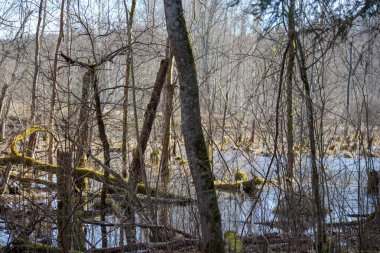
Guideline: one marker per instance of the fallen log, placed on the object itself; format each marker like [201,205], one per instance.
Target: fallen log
[272,239]
[115,180]
[167,246]
[146,226]
[167,200]
[248,186]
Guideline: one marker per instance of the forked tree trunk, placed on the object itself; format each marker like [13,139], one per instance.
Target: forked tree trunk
[210,219]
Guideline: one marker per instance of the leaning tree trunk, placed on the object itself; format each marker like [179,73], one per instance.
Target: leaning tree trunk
[212,240]
[136,171]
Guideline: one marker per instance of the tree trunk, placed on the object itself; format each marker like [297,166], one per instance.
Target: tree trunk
[54,83]
[317,200]
[3,94]
[348,92]
[83,121]
[127,85]
[82,146]
[136,171]
[224,120]
[165,154]
[65,208]
[293,220]
[5,104]
[212,240]
[289,92]
[33,108]
[91,75]
[5,181]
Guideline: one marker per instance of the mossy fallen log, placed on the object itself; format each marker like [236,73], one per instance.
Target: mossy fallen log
[115,181]
[248,186]
[228,186]
[240,175]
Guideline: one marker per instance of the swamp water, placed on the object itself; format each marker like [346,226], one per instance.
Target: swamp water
[344,190]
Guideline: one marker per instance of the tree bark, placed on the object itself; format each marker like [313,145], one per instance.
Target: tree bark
[212,240]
